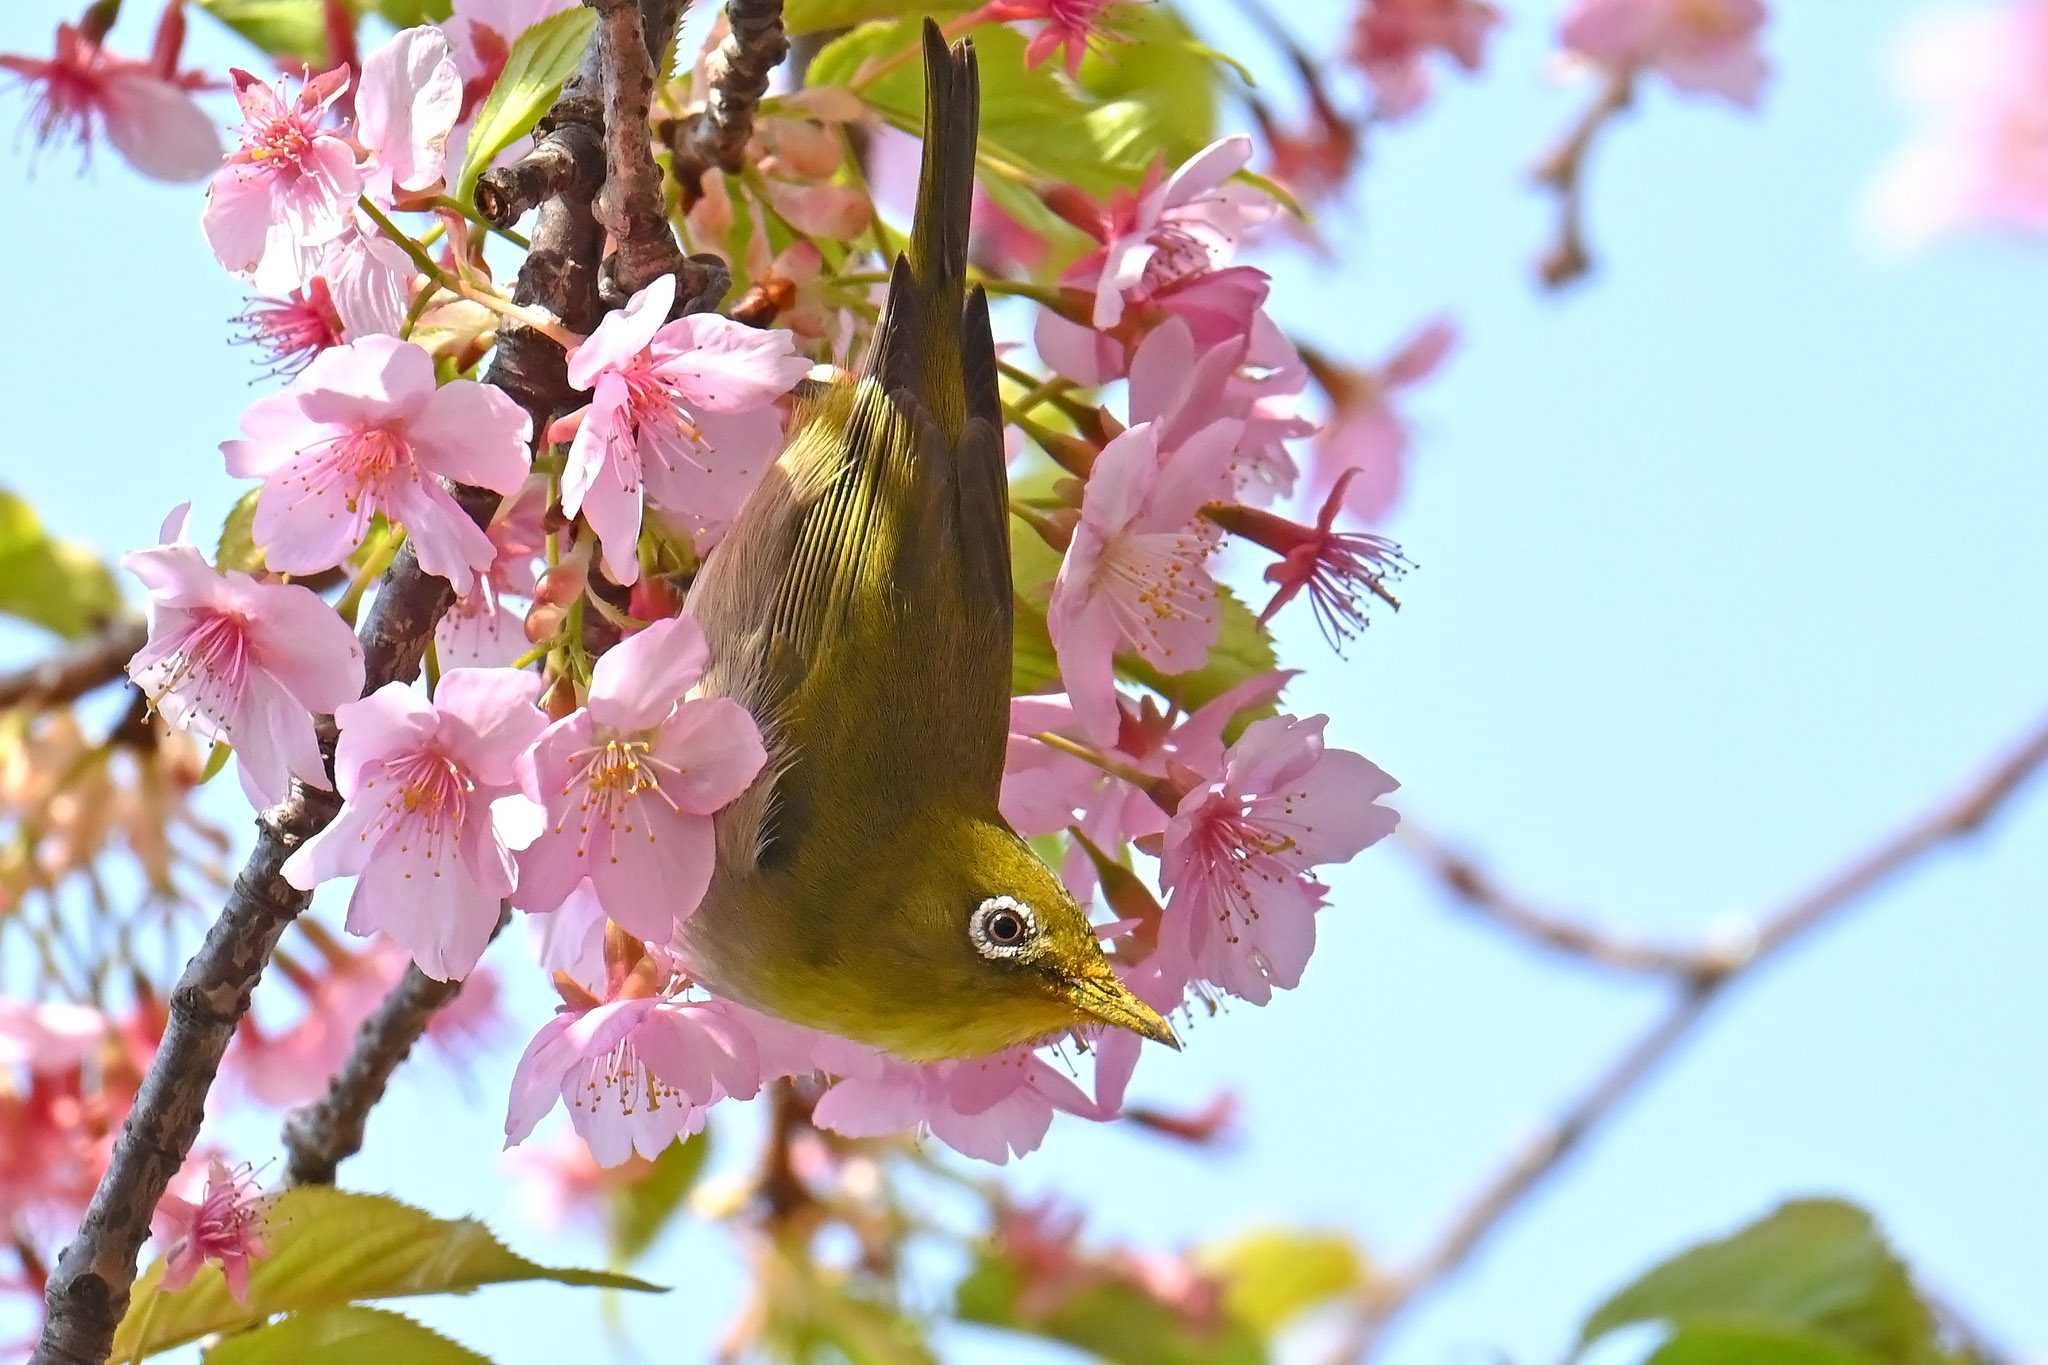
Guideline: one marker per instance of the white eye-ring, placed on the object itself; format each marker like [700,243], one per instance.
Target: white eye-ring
[1001,927]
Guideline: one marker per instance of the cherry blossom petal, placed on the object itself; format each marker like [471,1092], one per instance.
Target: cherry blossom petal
[159,130]
[717,747]
[406,105]
[639,681]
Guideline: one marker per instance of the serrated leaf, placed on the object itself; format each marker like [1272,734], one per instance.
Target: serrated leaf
[332,1247]
[640,1211]
[541,59]
[1109,1319]
[53,583]
[1815,1267]
[1033,125]
[1270,1277]
[821,16]
[343,1336]
[238,548]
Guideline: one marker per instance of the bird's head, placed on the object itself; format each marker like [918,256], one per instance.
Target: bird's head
[985,949]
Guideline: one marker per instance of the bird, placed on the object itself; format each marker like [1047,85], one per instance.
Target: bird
[860,608]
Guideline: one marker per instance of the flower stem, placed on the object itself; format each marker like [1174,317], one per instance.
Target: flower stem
[426,265]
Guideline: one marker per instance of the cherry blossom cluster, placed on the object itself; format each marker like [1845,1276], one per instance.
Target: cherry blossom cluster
[559,761]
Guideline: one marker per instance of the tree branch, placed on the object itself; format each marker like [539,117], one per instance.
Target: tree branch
[319,1136]
[715,138]
[1470,885]
[76,670]
[88,1290]
[631,208]
[1563,169]
[1501,1193]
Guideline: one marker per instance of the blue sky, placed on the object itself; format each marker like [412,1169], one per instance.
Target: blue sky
[1727,556]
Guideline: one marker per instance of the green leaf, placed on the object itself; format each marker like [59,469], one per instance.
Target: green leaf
[1751,1346]
[1108,1318]
[343,1336]
[1815,1267]
[407,13]
[331,1247]
[238,548]
[1270,1277]
[821,16]
[54,584]
[541,59]
[292,29]
[1159,66]
[640,1211]
[1034,126]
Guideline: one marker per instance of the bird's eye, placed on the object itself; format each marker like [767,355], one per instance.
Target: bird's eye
[1001,926]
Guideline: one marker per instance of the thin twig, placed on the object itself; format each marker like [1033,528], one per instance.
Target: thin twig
[1563,169]
[1501,1193]
[77,670]
[715,138]
[1470,885]
[319,1136]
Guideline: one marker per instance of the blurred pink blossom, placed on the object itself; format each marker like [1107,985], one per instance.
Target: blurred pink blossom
[417,781]
[630,783]
[1704,47]
[681,415]
[1365,433]
[47,1035]
[1070,25]
[248,663]
[145,109]
[1390,39]
[1979,158]
[363,430]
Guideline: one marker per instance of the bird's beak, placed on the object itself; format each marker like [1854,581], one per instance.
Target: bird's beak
[1106,998]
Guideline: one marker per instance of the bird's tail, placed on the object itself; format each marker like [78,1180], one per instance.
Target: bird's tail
[945,186]
[917,347]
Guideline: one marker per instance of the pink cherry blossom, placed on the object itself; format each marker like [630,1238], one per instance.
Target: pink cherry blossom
[1046,789]
[1701,46]
[417,781]
[988,1108]
[570,938]
[483,630]
[1177,231]
[1070,25]
[364,430]
[1340,569]
[635,1074]
[681,415]
[145,110]
[1390,38]
[630,783]
[1134,577]
[1254,379]
[291,330]
[1366,433]
[289,189]
[406,106]
[1238,852]
[47,1035]
[243,662]
[1977,158]
[224,1226]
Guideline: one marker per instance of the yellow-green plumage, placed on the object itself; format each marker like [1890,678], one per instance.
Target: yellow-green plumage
[860,608]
